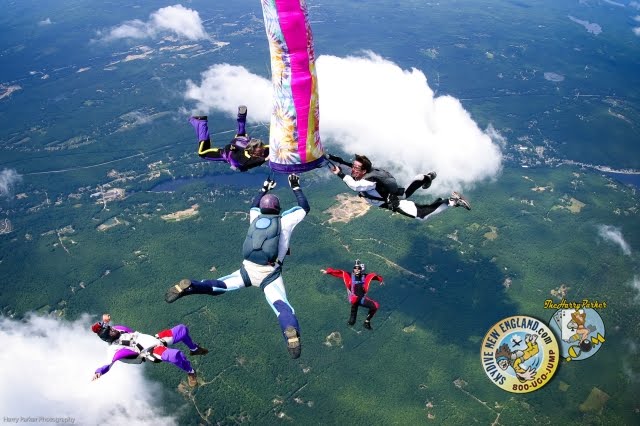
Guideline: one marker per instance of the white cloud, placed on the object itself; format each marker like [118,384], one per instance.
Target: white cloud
[635,4]
[369,105]
[8,179]
[635,284]
[636,31]
[176,19]
[614,235]
[45,22]
[223,87]
[47,366]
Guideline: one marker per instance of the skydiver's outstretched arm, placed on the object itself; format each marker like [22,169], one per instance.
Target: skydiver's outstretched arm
[338,273]
[337,159]
[372,277]
[266,187]
[294,182]
[123,353]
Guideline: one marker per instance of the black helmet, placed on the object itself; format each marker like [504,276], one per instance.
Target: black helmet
[105,332]
[269,204]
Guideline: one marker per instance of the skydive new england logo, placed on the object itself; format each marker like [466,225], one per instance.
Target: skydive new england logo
[519,354]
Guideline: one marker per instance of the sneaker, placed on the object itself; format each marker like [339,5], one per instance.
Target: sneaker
[177,291]
[431,176]
[192,379]
[242,111]
[367,325]
[351,321]
[293,342]
[200,351]
[200,117]
[459,201]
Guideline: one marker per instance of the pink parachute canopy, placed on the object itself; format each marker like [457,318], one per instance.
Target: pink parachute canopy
[294,135]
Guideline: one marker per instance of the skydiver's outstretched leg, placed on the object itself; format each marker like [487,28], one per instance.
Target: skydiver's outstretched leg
[422,211]
[426,211]
[373,306]
[420,181]
[187,287]
[276,295]
[180,333]
[354,314]
[242,121]
[201,126]
[173,356]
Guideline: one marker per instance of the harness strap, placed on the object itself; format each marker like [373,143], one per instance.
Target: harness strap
[266,281]
[245,277]
[371,197]
[274,275]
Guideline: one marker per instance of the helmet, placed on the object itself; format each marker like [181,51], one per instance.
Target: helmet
[359,264]
[104,332]
[269,204]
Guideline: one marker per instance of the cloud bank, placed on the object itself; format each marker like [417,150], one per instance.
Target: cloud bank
[614,235]
[47,366]
[9,178]
[371,106]
[176,19]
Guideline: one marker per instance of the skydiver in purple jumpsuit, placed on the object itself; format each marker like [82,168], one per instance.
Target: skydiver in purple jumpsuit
[132,347]
[242,153]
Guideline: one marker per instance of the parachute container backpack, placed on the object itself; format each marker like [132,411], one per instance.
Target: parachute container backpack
[294,134]
[261,244]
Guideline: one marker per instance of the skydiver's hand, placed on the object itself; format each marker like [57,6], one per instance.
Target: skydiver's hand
[335,170]
[268,185]
[96,376]
[324,271]
[331,157]
[294,181]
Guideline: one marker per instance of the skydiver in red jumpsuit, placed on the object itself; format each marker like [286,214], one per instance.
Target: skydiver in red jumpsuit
[357,286]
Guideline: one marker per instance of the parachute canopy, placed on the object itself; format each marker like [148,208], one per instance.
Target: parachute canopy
[294,136]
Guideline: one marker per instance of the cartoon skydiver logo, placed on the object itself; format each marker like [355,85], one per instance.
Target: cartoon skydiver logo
[517,359]
[520,354]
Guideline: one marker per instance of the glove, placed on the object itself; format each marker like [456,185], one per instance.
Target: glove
[331,157]
[268,185]
[294,181]
[393,202]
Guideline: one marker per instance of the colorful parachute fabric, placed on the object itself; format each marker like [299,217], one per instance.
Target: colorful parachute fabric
[294,138]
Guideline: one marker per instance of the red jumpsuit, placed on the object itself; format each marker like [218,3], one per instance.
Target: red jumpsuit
[357,288]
